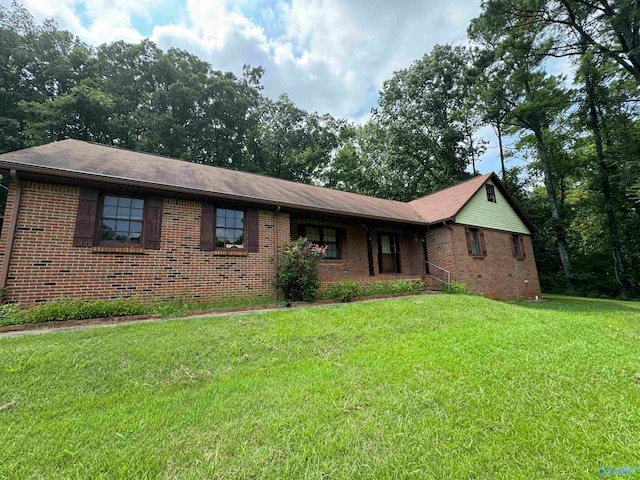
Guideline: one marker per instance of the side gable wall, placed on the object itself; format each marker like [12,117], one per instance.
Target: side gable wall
[499,215]
[498,275]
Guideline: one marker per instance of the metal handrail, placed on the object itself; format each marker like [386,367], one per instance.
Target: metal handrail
[448,282]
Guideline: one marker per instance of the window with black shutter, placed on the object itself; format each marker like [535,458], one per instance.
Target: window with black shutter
[225,228]
[475,243]
[118,220]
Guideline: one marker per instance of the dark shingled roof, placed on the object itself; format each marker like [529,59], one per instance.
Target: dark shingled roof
[92,162]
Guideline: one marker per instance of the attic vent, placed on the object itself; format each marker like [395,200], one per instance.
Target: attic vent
[491,193]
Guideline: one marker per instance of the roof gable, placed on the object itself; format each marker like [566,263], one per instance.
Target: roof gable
[498,215]
[447,204]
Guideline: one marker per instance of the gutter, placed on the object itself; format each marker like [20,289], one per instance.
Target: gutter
[8,250]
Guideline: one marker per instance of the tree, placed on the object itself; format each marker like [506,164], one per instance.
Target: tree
[425,113]
[288,142]
[592,78]
[533,99]
[609,28]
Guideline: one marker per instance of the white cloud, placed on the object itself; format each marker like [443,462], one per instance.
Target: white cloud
[327,55]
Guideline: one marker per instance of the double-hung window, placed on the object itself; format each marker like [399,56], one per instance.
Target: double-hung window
[229,228]
[491,193]
[121,219]
[325,236]
[475,243]
[517,246]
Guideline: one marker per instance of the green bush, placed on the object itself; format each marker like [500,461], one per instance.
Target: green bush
[406,286]
[458,288]
[374,288]
[297,277]
[62,309]
[344,290]
[10,314]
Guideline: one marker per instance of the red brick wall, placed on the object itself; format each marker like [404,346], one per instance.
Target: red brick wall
[46,265]
[498,275]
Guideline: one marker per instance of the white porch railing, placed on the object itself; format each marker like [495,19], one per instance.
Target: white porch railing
[446,282]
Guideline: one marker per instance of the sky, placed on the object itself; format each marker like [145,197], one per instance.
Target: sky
[329,56]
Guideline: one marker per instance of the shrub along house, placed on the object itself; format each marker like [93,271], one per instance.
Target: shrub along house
[91,221]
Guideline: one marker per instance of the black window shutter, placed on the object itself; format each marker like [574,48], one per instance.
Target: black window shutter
[468,235]
[522,253]
[86,218]
[483,248]
[152,222]
[207,227]
[251,236]
[513,246]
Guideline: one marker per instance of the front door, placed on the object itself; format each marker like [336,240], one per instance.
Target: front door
[388,253]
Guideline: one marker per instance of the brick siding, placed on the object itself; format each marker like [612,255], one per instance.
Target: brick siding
[46,265]
[498,275]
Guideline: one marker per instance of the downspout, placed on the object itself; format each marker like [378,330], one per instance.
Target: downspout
[11,234]
[275,239]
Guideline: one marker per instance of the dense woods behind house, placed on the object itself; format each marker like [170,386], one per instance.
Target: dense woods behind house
[569,144]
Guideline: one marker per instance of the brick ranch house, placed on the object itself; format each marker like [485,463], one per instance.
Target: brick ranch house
[91,221]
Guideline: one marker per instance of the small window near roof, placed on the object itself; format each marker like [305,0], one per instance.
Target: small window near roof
[121,219]
[491,193]
[229,228]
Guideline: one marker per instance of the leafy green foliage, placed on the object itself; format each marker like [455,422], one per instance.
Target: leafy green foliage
[344,290]
[426,116]
[347,290]
[76,309]
[457,288]
[297,277]
[10,314]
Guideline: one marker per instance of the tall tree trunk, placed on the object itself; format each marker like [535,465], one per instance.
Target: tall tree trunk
[499,132]
[558,225]
[603,177]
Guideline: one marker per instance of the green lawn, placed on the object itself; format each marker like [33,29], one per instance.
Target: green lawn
[439,386]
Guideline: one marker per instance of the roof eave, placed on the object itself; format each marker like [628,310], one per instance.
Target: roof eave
[91,177]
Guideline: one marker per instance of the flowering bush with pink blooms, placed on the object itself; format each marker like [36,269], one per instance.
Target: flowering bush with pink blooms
[297,277]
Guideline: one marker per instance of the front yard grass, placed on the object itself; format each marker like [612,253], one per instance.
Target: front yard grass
[446,386]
